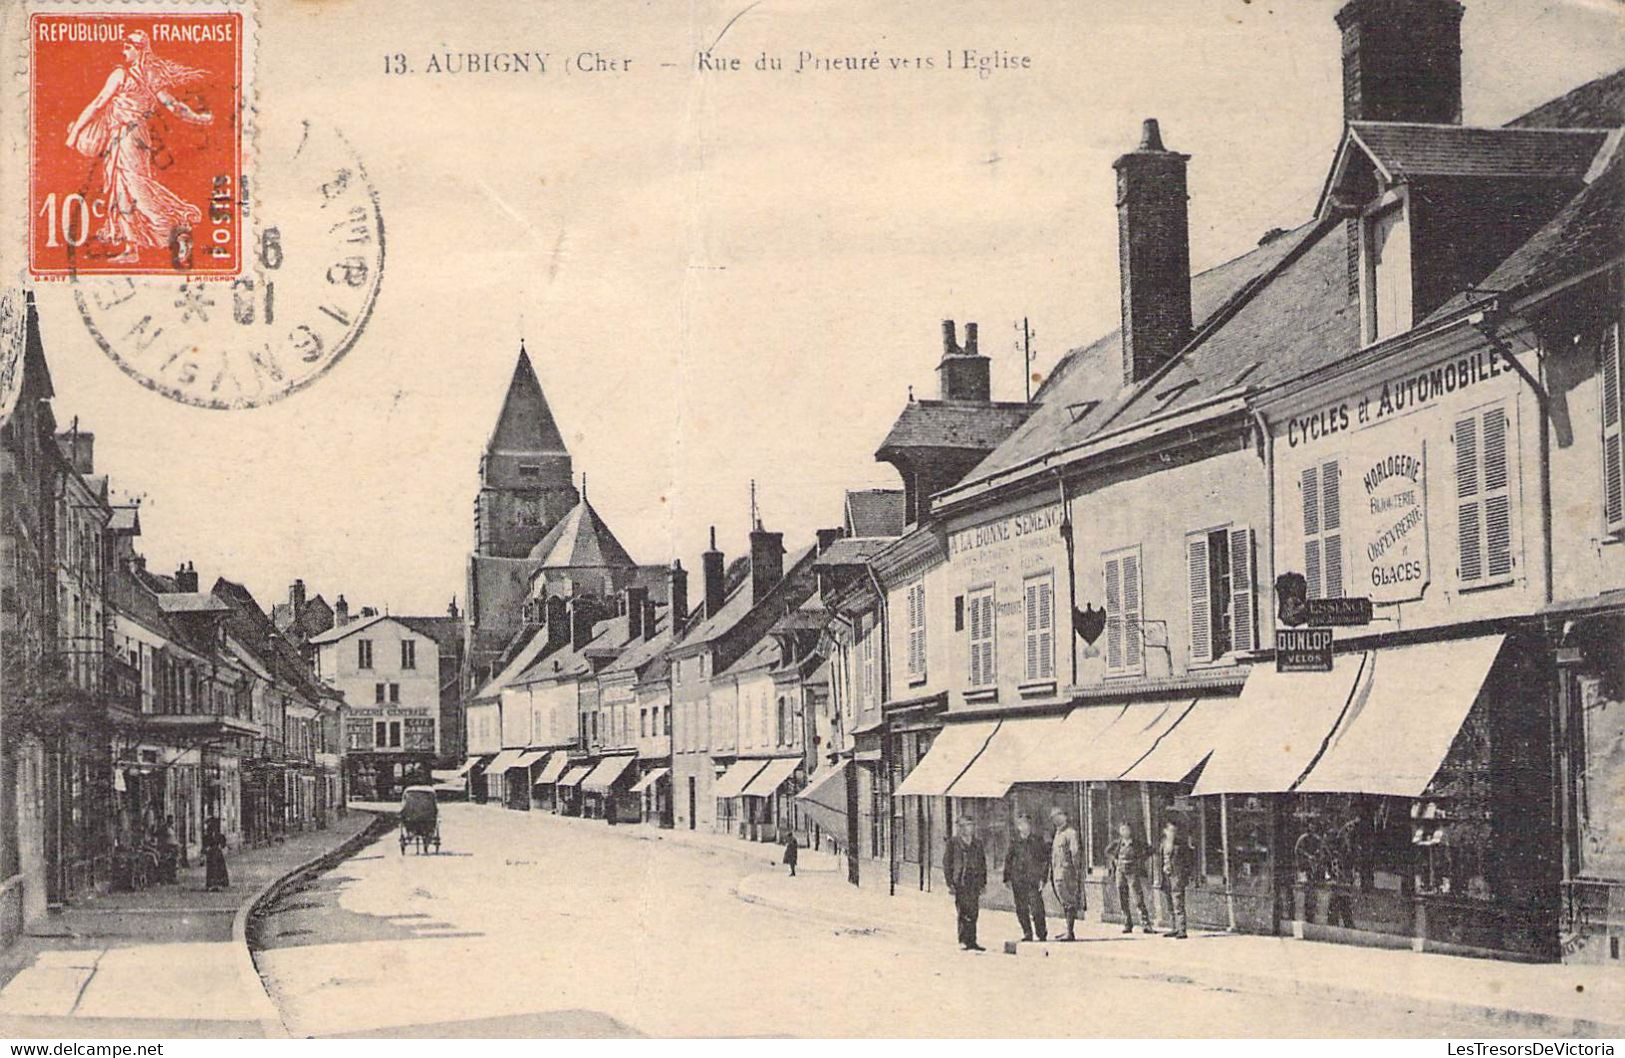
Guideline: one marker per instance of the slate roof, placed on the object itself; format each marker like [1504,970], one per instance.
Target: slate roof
[737,604]
[192,602]
[953,424]
[1408,150]
[340,631]
[125,520]
[763,654]
[445,631]
[526,422]
[850,551]
[1584,235]
[875,512]
[568,663]
[639,654]
[580,540]
[1086,390]
[1598,104]
[498,585]
[524,658]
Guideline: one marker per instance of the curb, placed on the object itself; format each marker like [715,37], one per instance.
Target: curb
[270,1019]
[1516,1021]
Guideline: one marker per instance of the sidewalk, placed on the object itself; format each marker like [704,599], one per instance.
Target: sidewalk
[1524,999]
[170,961]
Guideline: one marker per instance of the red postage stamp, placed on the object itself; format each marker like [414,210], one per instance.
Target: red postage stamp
[135,144]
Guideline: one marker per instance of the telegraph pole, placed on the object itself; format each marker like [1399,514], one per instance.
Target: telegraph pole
[1027,336]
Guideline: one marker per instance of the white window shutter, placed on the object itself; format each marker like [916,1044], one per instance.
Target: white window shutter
[1469,535]
[989,660]
[1046,630]
[1497,495]
[1242,614]
[1030,606]
[1309,490]
[1133,635]
[1331,527]
[1201,627]
[1613,431]
[1114,614]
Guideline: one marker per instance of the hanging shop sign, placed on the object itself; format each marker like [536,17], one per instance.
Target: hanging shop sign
[1303,650]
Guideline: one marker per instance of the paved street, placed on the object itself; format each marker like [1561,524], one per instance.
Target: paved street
[532,925]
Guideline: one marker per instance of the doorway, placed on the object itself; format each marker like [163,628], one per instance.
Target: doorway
[693,803]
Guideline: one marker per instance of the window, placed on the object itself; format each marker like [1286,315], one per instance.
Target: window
[643,723]
[1387,273]
[983,661]
[867,682]
[667,718]
[1222,613]
[1322,495]
[786,722]
[380,734]
[378,690]
[394,734]
[1613,432]
[916,631]
[394,693]
[1039,605]
[409,654]
[1125,654]
[530,470]
[1483,498]
[363,653]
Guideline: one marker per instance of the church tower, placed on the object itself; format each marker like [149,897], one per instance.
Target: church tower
[526,484]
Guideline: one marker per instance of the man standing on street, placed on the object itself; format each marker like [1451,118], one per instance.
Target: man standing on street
[1026,868]
[964,865]
[1066,869]
[1128,867]
[1177,866]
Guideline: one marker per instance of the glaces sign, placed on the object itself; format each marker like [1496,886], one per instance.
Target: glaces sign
[1390,549]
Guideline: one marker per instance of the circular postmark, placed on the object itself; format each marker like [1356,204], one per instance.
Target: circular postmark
[306,292]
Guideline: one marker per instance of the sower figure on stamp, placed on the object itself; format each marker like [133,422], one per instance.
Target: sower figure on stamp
[1128,869]
[141,212]
[1177,863]
[1066,869]
[964,865]
[1026,869]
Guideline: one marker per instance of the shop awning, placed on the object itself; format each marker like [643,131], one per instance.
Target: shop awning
[737,777]
[1014,754]
[1281,723]
[649,779]
[1407,709]
[504,760]
[529,757]
[824,799]
[553,769]
[1098,753]
[1072,739]
[1185,746]
[467,764]
[576,773]
[954,749]
[770,778]
[607,774]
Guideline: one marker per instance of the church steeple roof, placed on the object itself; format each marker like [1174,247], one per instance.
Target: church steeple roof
[526,423]
[581,541]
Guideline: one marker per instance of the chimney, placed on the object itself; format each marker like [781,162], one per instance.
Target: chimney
[766,563]
[79,449]
[452,611]
[296,597]
[962,374]
[711,570]
[651,620]
[581,622]
[186,578]
[558,622]
[1401,60]
[635,599]
[679,595]
[1153,254]
[827,537]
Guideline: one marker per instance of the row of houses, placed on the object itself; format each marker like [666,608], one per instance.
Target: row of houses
[1320,555]
[136,704]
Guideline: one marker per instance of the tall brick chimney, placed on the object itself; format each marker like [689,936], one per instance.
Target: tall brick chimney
[1153,253]
[186,578]
[1401,60]
[635,598]
[296,598]
[651,619]
[557,622]
[711,568]
[766,562]
[341,613]
[581,622]
[962,373]
[679,595]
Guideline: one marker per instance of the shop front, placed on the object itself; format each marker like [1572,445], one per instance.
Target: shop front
[768,798]
[653,790]
[544,793]
[607,790]
[569,801]
[1402,799]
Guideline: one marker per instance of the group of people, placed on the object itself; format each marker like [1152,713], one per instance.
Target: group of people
[1032,861]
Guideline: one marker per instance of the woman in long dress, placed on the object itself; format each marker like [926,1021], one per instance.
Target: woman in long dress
[116,127]
[215,877]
